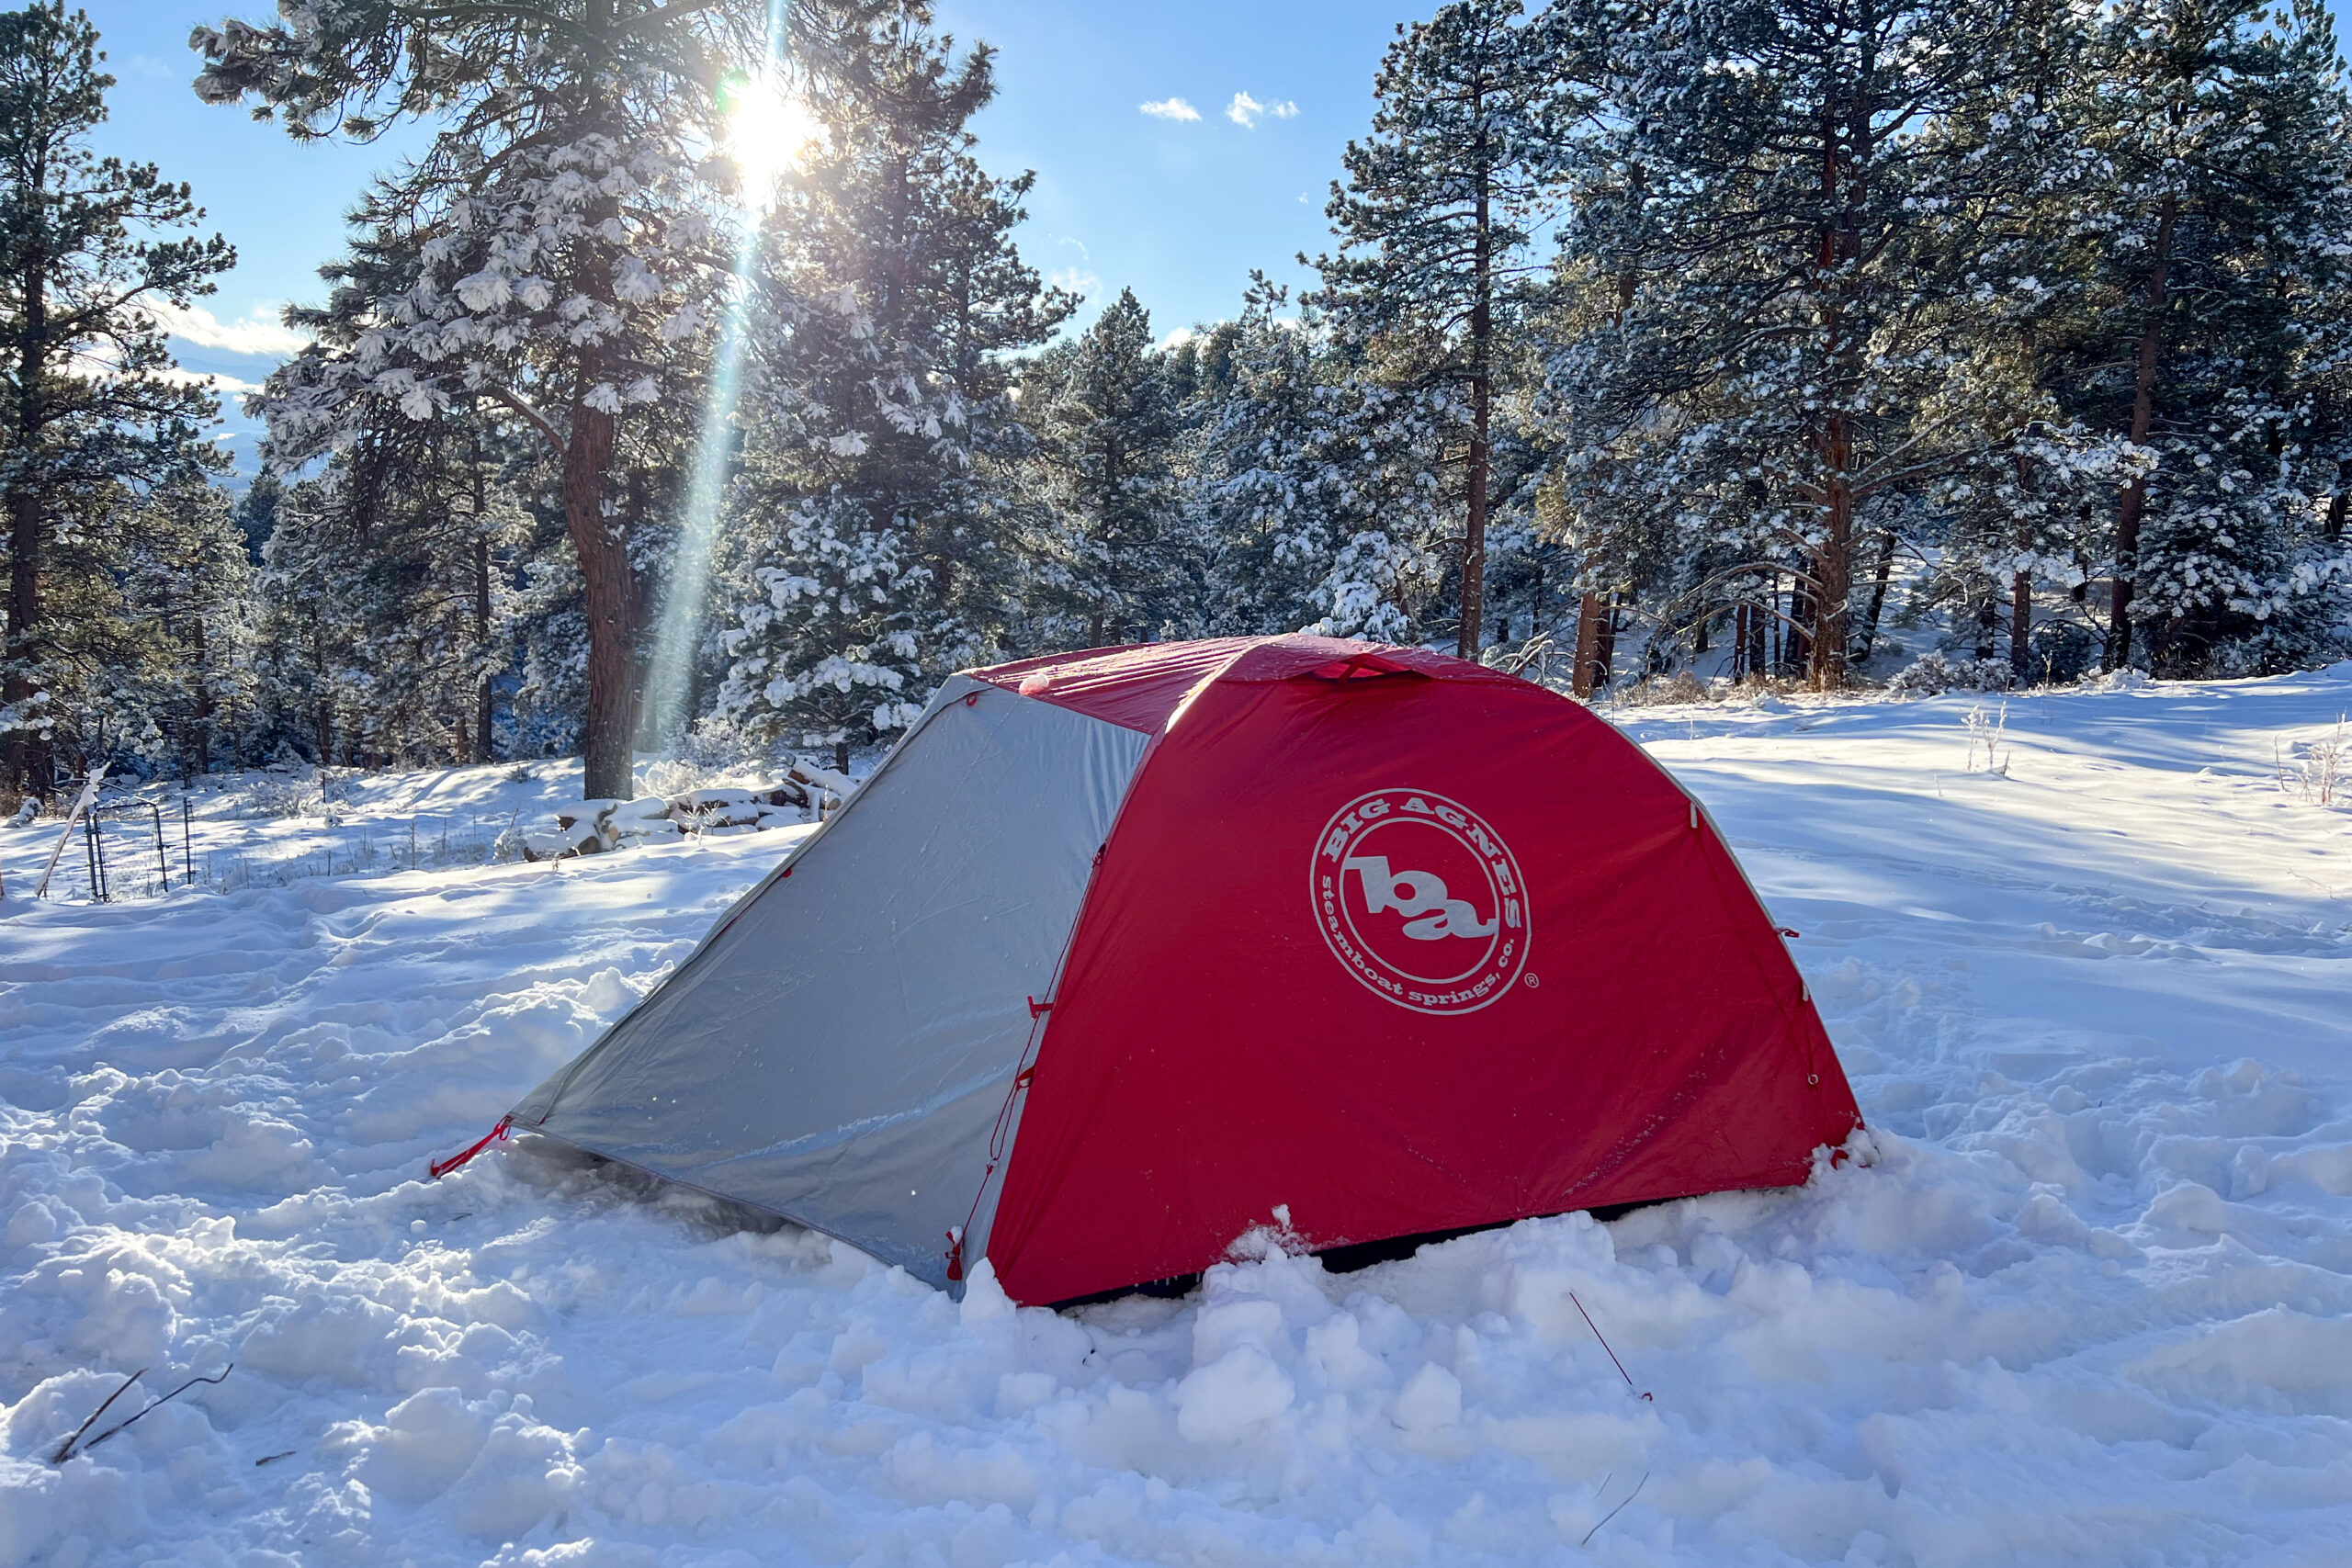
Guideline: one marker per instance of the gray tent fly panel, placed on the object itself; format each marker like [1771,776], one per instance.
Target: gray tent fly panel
[838,1050]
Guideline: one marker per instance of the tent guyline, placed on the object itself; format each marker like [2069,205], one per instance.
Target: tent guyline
[1121,956]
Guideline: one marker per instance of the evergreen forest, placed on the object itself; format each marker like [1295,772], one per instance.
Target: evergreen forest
[691,390]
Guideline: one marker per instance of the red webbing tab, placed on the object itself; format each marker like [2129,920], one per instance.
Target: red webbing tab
[441,1168]
[1038,1008]
[956,1252]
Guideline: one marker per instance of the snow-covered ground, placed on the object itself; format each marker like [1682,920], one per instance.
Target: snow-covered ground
[2089,1302]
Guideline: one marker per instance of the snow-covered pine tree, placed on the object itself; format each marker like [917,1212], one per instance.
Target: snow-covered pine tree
[306,652]
[1434,222]
[565,219]
[417,527]
[2007,515]
[1313,482]
[873,513]
[185,615]
[1764,299]
[831,656]
[91,406]
[2213,326]
[896,210]
[1116,560]
[149,629]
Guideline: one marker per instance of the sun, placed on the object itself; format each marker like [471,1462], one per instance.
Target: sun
[769,130]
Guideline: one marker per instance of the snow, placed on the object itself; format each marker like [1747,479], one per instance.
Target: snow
[2087,1295]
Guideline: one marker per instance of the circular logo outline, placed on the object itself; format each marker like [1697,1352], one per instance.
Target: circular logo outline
[1505,958]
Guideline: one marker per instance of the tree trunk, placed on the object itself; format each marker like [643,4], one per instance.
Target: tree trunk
[1796,655]
[2144,403]
[1885,569]
[1840,245]
[2337,502]
[841,756]
[28,762]
[481,641]
[323,718]
[29,752]
[2021,588]
[1581,673]
[201,752]
[1474,532]
[1604,644]
[482,689]
[602,546]
[1833,565]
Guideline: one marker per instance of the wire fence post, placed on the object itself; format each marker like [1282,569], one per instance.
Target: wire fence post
[188,850]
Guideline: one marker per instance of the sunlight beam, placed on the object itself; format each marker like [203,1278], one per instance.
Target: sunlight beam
[769,130]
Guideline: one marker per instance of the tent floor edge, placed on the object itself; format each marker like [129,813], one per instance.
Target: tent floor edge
[1354,1256]
[768,1221]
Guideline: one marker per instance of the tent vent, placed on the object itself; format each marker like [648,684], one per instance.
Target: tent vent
[1362,667]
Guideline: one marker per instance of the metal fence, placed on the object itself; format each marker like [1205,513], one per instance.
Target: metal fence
[127,850]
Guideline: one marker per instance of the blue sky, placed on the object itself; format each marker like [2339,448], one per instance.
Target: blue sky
[1178,209]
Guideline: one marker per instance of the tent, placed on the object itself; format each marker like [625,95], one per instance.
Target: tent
[1122,954]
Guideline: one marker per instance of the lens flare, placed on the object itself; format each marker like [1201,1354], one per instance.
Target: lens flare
[769,129]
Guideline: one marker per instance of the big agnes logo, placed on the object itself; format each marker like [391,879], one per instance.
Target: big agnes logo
[1421,900]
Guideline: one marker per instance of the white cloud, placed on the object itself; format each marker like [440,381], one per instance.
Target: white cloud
[1245,110]
[1170,108]
[259,333]
[1078,280]
[224,386]
[1083,254]
[1177,339]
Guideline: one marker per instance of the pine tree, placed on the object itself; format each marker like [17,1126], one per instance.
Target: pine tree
[1119,562]
[831,656]
[873,511]
[1774,314]
[307,644]
[1313,481]
[187,589]
[94,407]
[1434,222]
[408,536]
[256,512]
[2213,317]
[566,257]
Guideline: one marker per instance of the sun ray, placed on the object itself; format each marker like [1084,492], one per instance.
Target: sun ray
[769,129]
